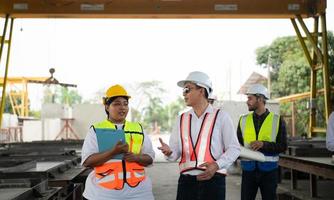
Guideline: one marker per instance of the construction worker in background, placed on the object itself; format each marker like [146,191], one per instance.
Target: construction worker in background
[212,98]
[264,131]
[330,133]
[204,139]
[116,177]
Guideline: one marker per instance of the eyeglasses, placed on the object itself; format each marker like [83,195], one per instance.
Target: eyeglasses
[187,90]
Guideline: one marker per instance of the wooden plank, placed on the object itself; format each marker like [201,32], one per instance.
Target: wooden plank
[319,169]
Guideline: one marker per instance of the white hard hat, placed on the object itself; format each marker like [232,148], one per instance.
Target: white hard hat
[258,89]
[212,96]
[199,78]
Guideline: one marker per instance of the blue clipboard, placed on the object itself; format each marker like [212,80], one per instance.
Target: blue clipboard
[107,139]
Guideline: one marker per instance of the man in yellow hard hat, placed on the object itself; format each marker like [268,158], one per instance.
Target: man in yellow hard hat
[118,150]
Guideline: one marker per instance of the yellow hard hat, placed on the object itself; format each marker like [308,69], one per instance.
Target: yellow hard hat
[115,91]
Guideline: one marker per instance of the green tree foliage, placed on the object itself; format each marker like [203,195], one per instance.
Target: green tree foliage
[48,95]
[69,97]
[61,95]
[151,110]
[293,76]
[290,74]
[174,108]
[135,115]
[8,107]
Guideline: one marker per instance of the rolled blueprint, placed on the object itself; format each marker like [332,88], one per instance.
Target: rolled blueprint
[251,154]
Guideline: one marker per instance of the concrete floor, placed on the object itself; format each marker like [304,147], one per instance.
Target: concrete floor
[164,177]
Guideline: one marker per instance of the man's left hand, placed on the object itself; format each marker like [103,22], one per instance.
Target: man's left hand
[256,145]
[208,173]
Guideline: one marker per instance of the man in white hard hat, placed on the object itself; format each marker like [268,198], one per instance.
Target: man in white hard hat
[264,131]
[330,133]
[212,98]
[204,139]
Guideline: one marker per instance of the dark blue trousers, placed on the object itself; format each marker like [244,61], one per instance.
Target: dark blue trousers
[191,189]
[266,181]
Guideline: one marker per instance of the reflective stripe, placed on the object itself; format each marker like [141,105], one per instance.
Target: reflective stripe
[267,159]
[106,178]
[110,175]
[268,130]
[274,127]
[204,137]
[139,174]
[243,124]
[271,158]
[185,137]
[203,147]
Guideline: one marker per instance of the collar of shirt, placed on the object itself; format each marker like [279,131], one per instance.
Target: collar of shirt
[119,126]
[261,117]
[208,109]
[258,120]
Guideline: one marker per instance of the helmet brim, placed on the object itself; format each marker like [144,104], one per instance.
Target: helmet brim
[183,82]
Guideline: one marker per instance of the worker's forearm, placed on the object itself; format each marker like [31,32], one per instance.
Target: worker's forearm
[272,147]
[144,160]
[97,159]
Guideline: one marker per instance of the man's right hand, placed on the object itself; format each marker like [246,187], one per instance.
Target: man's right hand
[164,148]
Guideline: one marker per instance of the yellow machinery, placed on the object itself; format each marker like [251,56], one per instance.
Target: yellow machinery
[161,8]
[295,10]
[19,95]
[292,99]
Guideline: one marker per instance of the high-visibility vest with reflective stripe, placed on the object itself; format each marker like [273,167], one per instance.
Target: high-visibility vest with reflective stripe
[114,173]
[268,132]
[193,156]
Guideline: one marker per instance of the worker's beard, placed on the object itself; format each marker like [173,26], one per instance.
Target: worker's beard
[252,107]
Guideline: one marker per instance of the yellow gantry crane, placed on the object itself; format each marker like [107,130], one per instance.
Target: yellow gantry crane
[18,94]
[294,10]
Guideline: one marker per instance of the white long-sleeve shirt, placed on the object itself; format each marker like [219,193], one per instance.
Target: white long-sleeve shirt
[330,133]
[225,147]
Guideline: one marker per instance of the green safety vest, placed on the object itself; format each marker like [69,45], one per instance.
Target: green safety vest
[268,133]
[134,136]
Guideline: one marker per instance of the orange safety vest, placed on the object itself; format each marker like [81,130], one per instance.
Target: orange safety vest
[193,156]
[116,172]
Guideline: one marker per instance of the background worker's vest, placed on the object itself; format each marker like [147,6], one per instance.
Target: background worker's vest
[115,172]
[193,156]
[268,132]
